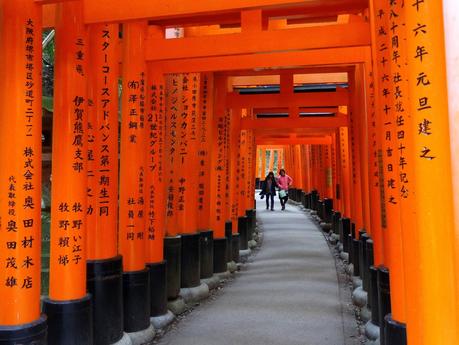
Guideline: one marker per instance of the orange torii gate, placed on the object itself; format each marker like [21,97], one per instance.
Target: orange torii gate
[135,236]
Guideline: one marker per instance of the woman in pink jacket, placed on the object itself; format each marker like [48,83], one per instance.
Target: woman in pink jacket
[283,182]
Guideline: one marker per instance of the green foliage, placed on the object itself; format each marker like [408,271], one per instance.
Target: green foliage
[48,103]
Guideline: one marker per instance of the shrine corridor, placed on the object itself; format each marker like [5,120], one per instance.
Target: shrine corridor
[286,294]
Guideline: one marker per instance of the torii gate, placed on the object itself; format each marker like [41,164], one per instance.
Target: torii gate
[116,243]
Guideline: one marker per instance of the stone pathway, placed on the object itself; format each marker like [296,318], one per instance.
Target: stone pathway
[288,293]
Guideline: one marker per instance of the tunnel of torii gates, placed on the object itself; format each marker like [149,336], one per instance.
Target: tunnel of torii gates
[351,97]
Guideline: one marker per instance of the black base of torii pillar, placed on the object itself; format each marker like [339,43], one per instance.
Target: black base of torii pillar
[34,333]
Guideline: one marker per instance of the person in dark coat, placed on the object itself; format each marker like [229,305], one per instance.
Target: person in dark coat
[268,189]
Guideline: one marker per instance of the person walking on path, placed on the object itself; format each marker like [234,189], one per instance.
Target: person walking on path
[283,182]
[268,189]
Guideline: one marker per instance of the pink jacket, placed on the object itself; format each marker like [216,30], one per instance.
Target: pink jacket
[284,181]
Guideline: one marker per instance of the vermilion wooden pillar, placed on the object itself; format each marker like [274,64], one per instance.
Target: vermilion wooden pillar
[406,179]
[450,15]
[378,218]
[385,104]
[374,148]
[432,167]
[205,134]
[155,189]
[338,172]
[334,171]
[20,173]
[104,266]
[187,176]
[250,176]
[356,159]
[67,285]
[328,172]
[172,242]
[205,147]
[132,218]
[361,111]
[307,158]
[217,177]
[345,168]
[233,147]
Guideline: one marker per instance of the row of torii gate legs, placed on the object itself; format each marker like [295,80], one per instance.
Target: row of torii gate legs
[173,205]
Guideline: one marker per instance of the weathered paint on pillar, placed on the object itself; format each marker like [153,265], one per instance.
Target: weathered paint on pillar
[20,161]
[102,207]
[133,157]
[155,188]
[432,167]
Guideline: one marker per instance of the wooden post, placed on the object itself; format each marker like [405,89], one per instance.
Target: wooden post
[132,219]
[155,189]
[217,178]
[374,139]
[104,266]
[20,173]
[356,159]
[432,167]
[172,242]
[451,15]
[67,284]
[235,128]
[187,176]
[346,188]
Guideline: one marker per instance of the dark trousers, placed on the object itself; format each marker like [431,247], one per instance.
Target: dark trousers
[269,196]
[283,200]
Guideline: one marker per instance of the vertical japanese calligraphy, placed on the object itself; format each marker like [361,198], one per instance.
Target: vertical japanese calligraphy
[233,152]
[155,180]
[218,161]
[20,162]
[428,106]
[103,142]
[133,158]
[242,172]
[69,169]
[204,152]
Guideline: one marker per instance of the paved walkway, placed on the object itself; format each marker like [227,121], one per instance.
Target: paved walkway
[287,295]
